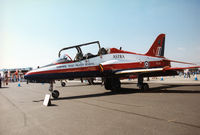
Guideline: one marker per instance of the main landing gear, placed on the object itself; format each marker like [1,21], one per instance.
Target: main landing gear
[142,86]
[55,94]
[112,84]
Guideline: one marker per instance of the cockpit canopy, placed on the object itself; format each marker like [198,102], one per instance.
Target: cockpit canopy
[81,52]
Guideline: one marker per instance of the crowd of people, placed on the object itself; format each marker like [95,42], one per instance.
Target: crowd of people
[8,77]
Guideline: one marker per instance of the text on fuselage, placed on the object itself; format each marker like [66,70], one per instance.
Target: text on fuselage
[118,56]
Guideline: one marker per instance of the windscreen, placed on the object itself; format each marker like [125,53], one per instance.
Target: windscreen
[70,52]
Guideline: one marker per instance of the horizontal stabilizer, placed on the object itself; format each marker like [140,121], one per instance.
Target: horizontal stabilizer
[179,62]
[181,68]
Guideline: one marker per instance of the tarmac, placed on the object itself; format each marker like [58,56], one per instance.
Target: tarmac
[170,107]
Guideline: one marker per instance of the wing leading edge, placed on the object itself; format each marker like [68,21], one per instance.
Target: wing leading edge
[135,71]
[138,71]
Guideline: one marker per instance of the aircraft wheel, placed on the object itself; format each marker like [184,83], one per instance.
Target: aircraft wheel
[55,94]
[112,84]
[90,81]
[107,84]
[63,84]
[144,87]
[116,84]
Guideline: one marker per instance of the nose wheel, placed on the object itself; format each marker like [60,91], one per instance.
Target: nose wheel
[55,93]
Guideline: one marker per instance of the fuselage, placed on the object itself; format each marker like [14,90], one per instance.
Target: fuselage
[114,61]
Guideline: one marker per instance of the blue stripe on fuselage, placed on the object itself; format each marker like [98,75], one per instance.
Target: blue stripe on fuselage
[57,76]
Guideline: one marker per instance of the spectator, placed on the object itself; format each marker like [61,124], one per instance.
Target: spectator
[0,80]
[6,78]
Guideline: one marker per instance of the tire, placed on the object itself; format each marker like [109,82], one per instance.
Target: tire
[90,81]
[55,94]
[107,84]
[112,84]
[145,87]
[116,84]
[63,84]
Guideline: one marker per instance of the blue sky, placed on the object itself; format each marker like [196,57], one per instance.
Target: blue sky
[33,31]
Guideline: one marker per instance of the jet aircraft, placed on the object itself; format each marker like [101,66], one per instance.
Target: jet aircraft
[111,64]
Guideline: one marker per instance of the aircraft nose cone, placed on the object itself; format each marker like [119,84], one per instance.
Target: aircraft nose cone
[27,76]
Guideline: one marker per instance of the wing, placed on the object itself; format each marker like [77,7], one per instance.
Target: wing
[153,70]
[136,71]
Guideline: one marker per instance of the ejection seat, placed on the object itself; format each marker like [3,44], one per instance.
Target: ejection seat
[102,51]
[79,56]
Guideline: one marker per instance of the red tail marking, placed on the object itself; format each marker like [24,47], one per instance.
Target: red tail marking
[157,48]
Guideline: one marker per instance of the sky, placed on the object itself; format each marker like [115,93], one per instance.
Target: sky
[33,31]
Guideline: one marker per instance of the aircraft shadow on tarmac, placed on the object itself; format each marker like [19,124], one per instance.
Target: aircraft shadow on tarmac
[163,89]
[4,87]
[160,89]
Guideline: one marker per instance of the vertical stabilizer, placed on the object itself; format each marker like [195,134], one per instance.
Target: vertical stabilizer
[158,47]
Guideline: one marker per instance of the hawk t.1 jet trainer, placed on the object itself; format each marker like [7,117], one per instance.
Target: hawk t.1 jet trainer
[111,64]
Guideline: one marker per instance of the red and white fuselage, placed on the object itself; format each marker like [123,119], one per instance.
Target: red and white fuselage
[115,60]
[108,63]
[111,64]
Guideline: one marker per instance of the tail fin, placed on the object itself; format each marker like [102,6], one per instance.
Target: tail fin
[158,47]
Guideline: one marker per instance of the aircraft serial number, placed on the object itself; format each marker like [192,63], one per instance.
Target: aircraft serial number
[119,56]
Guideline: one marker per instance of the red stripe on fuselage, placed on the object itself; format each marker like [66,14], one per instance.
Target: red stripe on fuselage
[152,64]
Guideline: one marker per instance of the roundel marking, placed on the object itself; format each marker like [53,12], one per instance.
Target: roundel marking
[146,64]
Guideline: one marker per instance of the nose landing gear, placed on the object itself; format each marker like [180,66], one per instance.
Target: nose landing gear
[55,93]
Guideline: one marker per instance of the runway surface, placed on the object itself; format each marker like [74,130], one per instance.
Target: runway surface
[91,110]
